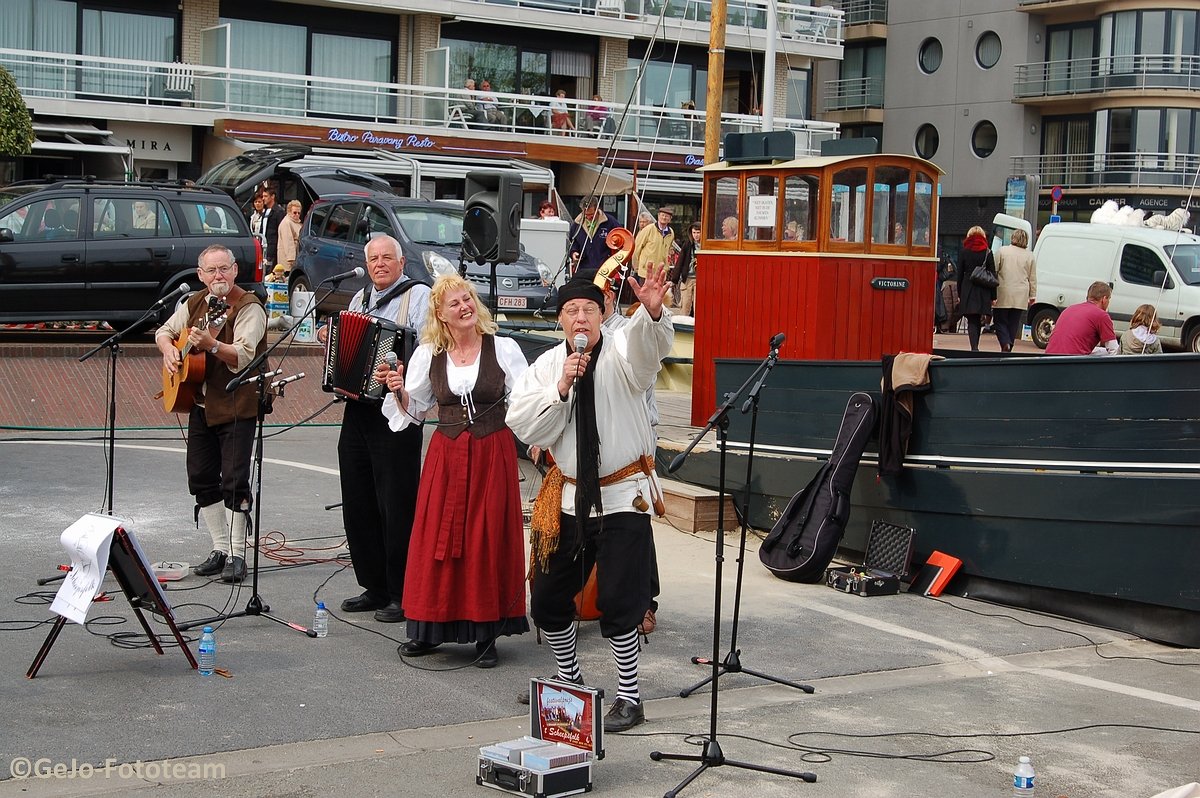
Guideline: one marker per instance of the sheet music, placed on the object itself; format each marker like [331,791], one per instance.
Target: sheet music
[86,542]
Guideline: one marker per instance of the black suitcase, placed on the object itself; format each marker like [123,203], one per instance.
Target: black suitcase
[885,564]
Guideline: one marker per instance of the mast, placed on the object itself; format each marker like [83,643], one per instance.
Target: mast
[716,82]
[768,79]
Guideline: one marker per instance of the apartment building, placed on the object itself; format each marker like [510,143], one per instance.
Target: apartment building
[146,89]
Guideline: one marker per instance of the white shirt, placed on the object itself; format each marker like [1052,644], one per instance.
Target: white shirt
[627,366]
[460,378]
[418,304]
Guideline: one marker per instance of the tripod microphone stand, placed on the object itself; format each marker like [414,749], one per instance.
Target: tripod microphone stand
[255,606]
[733,662]
[712,755]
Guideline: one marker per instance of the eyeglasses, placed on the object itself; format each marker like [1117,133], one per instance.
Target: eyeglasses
[590,309]
[222,269]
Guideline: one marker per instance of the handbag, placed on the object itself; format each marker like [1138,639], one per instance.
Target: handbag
[984,277]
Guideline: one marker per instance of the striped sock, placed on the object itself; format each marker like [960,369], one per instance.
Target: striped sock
[562,643]
[625,651]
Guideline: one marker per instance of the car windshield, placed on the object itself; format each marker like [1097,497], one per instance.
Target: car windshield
[438,227]
[1186,258]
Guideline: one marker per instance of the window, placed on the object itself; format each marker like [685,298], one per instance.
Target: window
[725,220]
[926,144]
[983,139]
[376,221]
[889,207]
[849,204]
[922,210]
[929,57]
[800,200]
[207,219]
[987,50]
[45,220]
[341,221]
[1138,265]
[797,93]
[761,211]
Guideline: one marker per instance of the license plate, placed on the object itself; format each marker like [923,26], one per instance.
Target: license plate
[511,302]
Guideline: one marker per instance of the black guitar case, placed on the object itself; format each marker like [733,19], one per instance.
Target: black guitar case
[804,539]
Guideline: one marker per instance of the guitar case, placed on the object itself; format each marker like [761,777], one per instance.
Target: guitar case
[803,541]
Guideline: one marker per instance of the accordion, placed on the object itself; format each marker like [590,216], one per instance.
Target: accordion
[357,345]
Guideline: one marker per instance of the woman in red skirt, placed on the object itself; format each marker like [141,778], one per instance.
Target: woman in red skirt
[465,578]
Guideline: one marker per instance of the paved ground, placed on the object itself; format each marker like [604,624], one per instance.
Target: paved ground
[344,715]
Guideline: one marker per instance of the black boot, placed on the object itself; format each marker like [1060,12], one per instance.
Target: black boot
[235,570]
[211,566]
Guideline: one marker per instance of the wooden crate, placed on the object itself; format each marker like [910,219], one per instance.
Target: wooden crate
[693,508]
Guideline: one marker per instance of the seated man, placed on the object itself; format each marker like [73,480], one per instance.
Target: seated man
[474,108]
[490,105]
[1086,327]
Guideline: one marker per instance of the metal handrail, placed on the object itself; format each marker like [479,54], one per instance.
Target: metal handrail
[864,12]
[1139,72]
[1086,170]
[221,90]
[865,92]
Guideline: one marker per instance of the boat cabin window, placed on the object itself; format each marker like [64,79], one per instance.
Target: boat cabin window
[889,206]
[801,201]
[849,204]
[761,210]
[724,221]
[922,211]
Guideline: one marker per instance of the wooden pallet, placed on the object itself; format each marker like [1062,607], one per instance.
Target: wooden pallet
[693,508]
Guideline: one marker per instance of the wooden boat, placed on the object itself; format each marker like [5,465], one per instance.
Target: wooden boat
[1067,484]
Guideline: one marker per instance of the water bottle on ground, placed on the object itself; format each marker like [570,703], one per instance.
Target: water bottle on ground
[321,620]
[208,652]
[1023,777]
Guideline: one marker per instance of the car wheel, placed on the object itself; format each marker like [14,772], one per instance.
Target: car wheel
[1191,341]
[1043,325]
[299,283]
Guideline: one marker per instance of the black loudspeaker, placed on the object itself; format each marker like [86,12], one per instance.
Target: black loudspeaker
[492,216]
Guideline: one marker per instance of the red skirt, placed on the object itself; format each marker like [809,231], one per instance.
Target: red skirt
[466,562]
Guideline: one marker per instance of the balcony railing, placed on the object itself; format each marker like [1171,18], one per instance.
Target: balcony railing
[1107,73]
[221,91]
[853,93]
[1088,170]
[863,12]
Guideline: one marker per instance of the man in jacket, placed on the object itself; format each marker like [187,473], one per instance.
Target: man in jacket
[591,227]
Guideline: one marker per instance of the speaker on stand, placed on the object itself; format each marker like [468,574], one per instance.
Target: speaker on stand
[492,221]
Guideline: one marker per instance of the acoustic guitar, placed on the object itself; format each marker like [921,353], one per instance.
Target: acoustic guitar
[179,389]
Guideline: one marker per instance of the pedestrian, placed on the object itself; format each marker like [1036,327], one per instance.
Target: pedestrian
[1017,291]
[587,406]
[653,242]
[975,300]
[465,581]
[683,275]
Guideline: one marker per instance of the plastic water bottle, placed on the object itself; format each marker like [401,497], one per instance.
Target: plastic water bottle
[208,652]
[321,620]
[1023,777]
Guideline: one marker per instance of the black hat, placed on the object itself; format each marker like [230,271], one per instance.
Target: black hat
[580,286]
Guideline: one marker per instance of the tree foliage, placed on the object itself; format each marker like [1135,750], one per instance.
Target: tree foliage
[16,126]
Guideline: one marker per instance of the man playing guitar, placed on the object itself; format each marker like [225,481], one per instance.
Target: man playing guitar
[220,424]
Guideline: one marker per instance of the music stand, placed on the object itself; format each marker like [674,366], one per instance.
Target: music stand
[733,661]
[140,587]
[712,755]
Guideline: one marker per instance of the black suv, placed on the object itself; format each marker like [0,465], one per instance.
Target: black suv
[337,229]
[88,249]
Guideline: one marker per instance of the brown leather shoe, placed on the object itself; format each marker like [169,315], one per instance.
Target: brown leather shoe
[649,623]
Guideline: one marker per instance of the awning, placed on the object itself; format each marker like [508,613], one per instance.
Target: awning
[74,137]
[582,179]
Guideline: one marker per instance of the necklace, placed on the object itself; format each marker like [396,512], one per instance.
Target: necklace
[464,356]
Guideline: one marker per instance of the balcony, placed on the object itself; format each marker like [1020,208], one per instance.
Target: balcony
[863,12]
[65,84]
[853,94]
[1126,169]
[1123,73]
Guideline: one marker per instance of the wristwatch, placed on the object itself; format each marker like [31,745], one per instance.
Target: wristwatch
[215,347]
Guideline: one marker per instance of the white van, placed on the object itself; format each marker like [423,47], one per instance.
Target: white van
[1143,265]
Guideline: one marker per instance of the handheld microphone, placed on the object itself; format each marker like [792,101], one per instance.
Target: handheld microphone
[391,359]
[357,271]
[580,342]
[777,340]
[180,290]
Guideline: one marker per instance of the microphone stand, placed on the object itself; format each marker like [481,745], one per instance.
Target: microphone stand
[113,344]
[732,662]
[255,606]
[712,755]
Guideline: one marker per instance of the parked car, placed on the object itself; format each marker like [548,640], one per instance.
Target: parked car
[242,174]
[94,250]
[337,229]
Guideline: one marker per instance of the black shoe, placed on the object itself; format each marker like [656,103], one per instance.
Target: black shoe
[623,716]
[363,603]
[485,655]
[234,571]
[523,696]
[416,648]
[392,613]
[212,566]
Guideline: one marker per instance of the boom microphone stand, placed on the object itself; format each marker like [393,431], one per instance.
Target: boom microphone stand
[713,756]
[732,662]
[255,606]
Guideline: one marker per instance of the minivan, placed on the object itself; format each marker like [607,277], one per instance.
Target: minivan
[1143,265]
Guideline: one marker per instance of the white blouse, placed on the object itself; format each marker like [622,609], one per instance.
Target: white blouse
[460,378]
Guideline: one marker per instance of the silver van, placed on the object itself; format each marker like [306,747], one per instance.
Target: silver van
[1143,265]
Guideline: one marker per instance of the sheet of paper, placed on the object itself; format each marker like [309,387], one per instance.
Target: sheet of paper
[87,543]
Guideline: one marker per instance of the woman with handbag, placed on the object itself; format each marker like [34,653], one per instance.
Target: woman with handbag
[977,281]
